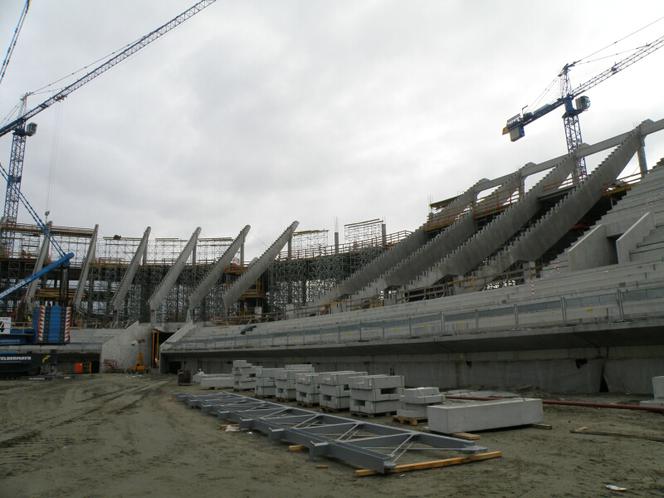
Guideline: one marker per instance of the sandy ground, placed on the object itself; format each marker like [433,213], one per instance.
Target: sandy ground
[118,435]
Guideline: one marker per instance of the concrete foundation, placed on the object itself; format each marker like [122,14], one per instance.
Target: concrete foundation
[482,415]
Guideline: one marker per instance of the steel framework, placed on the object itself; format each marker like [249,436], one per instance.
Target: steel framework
[376,447]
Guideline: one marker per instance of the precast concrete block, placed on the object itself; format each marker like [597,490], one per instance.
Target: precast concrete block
[240,363]
[376,382]
[307,388]
[481,415]
[373,407]
[301,367]
[338,378]
[285,383]
[338,391]
[267,373]
[380,394]
[334,402]
[244,385]
[266,391]
[305,378]
[412,411]
[285,394]
[307,398]
[216,381]
[414,395]
[265,382]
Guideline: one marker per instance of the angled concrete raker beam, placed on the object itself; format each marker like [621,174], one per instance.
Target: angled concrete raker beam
[212,277]
[85,269]
[255,269]
[172,275]
[128,277]
[41,259]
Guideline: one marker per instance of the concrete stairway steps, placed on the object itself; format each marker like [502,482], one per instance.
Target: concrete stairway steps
[651,248]
[440,245]
[493,235]
[571,284]
[643,197]
[364,277]
[537,238]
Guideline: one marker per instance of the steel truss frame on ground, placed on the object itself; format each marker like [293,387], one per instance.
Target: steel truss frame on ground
[361,444]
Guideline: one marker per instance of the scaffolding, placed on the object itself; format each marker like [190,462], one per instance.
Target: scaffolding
[308,269]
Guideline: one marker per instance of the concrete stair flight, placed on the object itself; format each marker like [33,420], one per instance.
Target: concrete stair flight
[256,268]
[537,238]
[644,196]
[440,245]
[388,259]
[493,235]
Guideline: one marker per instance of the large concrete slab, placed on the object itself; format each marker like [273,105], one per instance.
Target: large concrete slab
[482,415]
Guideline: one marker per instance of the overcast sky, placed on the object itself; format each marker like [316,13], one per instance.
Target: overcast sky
[265,112]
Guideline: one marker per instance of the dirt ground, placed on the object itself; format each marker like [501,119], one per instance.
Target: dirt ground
[116,435]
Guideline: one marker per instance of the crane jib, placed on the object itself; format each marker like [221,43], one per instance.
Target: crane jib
[129,51]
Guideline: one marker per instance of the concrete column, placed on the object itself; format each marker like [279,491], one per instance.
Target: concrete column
[383,232]
[641,153]
[39,264]
[85,269]
[141,254]
[171,276]
[336,242]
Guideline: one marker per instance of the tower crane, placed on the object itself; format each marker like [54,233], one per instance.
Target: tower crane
[22,129]
[575,103]
[12,43]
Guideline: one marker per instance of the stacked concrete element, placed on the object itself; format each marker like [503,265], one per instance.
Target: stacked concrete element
[265,383]
[307,388]
[284,380]
[469,416]
[215,381]
[658,392]
[375,394]
[335,389]
[414,402]
[244,375]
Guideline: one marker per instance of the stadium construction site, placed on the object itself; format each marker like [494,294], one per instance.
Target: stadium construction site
[536,304]
[558,286]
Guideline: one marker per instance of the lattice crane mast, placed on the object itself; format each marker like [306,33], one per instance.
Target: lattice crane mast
[575,103]
[12,43]
[22,129]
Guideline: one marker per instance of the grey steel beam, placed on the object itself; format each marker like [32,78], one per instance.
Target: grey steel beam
[128,277]
[85,269]
[167,283]
[358,443]
[256,268]
[213,276]
[41,259]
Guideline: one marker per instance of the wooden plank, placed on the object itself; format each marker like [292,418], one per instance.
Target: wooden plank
[546,427]
[466,435]
[433,464]
[296,447]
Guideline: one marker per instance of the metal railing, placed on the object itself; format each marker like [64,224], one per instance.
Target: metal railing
[619,305]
